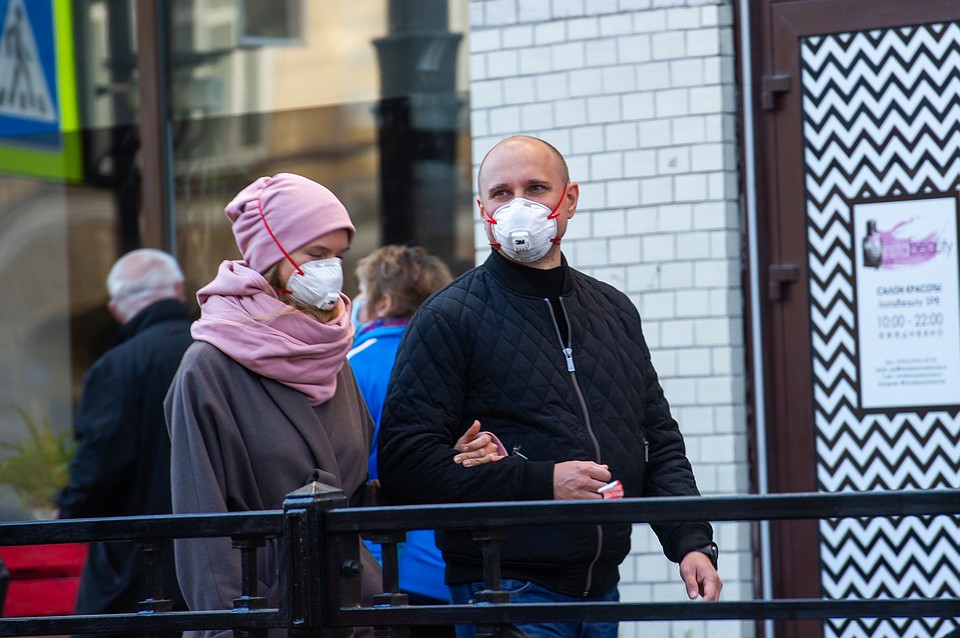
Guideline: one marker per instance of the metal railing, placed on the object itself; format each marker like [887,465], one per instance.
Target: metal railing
[320,565]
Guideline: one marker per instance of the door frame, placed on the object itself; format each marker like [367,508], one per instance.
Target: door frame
[775,28]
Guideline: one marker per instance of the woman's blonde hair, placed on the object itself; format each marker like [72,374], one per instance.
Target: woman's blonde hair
[407,274]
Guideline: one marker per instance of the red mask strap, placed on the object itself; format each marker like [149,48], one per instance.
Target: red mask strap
[556,213]
[487,217]
[274,238]
[553,215]
[556,209]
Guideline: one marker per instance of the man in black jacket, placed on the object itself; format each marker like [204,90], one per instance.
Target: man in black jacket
[122,464]
[554,363]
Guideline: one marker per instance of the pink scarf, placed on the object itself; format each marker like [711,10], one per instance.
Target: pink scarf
[241,315]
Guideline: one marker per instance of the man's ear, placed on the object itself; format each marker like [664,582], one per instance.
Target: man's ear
[181,292]
[115,313]
[573,196]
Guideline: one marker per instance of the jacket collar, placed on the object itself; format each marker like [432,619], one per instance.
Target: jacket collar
[158,312]
[509,274]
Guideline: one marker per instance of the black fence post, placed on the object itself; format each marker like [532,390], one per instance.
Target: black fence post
[388,542]
[249,584]
[153,556]
[391,596]
[316,570]
[490,541]
[491,593]
[156,602]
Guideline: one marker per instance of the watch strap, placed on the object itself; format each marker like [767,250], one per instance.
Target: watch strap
[711,551]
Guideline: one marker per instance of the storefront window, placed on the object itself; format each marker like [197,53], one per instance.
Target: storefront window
[53,253]
[364,96]
[368,97]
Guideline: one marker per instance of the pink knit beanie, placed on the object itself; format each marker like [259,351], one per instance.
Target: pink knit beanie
[286,209]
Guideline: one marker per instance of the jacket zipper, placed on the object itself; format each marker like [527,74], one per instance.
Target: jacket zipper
[567,351]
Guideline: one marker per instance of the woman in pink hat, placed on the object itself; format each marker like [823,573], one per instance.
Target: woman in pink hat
[264,401]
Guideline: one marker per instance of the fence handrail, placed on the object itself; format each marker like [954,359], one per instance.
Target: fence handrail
[317,534]
[157,527]
[752,507]
[140,623]
[781,609]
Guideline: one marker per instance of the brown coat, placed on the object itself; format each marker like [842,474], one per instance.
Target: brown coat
[242,442]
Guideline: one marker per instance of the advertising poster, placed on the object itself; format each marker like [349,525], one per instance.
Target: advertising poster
[908,302]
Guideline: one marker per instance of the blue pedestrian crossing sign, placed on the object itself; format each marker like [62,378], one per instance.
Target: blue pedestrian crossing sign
[38,115]
[24,91]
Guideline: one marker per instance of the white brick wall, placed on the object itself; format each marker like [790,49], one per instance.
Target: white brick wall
[639,95]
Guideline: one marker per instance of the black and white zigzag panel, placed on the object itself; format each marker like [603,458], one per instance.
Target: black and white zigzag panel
[881,116]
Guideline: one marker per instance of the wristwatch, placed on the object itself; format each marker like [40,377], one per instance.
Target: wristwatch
[712,552]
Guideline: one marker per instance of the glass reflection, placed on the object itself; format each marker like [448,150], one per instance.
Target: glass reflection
[365,96]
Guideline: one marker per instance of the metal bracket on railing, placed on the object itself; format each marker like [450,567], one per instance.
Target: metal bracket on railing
[388,542]
[156,603]
[153,556]
[249,584]
[391,596]
[490,540]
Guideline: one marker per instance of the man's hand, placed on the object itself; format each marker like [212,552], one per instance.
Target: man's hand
[699,576]
[476,448]
[579,480]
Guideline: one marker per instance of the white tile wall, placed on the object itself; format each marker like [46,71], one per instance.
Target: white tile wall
[639,95]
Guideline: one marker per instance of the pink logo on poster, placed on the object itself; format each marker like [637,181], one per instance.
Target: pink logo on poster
[895,249]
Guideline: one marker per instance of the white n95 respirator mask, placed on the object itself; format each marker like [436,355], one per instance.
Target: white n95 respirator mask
[317,283]
[524,230]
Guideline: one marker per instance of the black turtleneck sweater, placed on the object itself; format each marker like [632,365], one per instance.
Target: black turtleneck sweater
[547,284]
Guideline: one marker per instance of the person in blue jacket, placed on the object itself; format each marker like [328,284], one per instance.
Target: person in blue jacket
[394,281]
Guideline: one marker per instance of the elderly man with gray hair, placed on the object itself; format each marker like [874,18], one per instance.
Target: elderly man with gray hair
[122,464]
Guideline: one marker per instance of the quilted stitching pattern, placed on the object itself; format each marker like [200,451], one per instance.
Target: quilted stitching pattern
[505,345]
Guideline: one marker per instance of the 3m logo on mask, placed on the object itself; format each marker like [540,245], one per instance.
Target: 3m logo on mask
[520,241]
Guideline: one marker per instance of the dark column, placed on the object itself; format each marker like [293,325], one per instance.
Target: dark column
[124,136]
[156,150]
[417,119]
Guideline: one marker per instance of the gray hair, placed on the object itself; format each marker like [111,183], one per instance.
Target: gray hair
[142,277]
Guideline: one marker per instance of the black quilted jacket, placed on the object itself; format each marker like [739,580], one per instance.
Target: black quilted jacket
[487,348]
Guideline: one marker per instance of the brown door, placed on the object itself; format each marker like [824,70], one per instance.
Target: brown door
[858,105]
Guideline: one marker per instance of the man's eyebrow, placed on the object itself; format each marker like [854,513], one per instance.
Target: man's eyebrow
[535,181]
